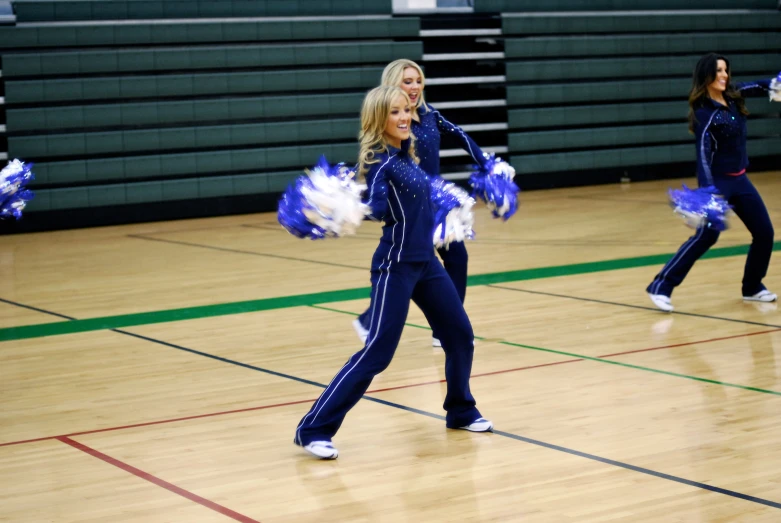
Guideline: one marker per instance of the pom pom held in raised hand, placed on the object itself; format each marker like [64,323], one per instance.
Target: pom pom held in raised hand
[702,207]
[13,192]
[495,186]
[775,89]
[326,202]
[453,217]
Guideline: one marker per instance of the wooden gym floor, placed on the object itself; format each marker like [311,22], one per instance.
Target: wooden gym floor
[156,373]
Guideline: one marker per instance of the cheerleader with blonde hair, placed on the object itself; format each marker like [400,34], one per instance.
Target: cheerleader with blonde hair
[404,268]
[428,125]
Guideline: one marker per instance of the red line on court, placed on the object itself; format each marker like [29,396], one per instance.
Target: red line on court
[387,389]
[579,359]
[148,423]
[690,343]
[45,438]
[157,481]
[473,376]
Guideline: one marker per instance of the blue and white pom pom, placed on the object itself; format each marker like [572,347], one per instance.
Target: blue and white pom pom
[702,207]
[775,89]
[324,203]
[453,218]
[13,192]
[493,184]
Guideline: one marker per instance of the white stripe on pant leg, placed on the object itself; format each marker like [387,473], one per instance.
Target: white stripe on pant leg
[371,321]
[322,396]
[301,424]
[390,254]
[677,258]
[365,351]
[382,308]
[374,303]
[679,255]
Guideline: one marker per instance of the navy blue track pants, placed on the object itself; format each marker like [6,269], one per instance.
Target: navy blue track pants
[455,260]
[394,284]
[748,205]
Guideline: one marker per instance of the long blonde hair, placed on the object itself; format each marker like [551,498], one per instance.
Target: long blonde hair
[394,75]
[374,116]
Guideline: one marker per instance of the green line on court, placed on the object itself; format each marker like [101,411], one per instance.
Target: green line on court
[591,358]
[638,367]
[223,309]
[406,324]
[189,313]
[597,266]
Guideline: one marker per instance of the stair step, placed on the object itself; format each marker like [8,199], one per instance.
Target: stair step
[470,104]
[476,127]
[433,33]
[452,153]
[458,80]
[433,11]
[462,56]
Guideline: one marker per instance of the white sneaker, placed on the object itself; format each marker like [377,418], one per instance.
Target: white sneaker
[322,449]
[763,295]
[360,330]
[435,342]
[479,425]
[662,302]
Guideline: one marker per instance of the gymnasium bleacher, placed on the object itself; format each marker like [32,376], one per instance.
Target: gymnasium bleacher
[161,107]
[152,109]
[607,89]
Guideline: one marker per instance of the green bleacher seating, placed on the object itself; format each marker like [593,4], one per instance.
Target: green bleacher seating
[179,138]
[65,10]
[187,100]
[518,6]
[620,69]
[182,164]
[166,59]
[189,85]
[135,102]
[608,89]
[614,113]
[589,160]
[159,112]
[638,45]
[630,22]
[135,33]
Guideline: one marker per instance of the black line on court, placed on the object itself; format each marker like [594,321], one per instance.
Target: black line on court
[196,229]
[489,241]
[495,241]
[36,309]
[619,200]
[642,470]
[567,243]
[239,251]
[630,306]
[220,358]
[509,435]
[279,228]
